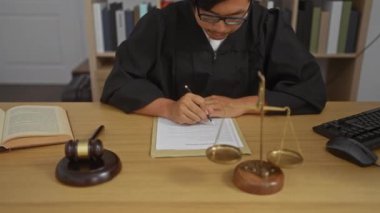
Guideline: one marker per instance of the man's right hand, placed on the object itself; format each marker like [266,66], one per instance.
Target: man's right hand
[189,109]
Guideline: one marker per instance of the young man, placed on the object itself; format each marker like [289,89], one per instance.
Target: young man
[215,48]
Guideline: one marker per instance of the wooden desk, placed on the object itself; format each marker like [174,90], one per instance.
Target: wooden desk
[322,184]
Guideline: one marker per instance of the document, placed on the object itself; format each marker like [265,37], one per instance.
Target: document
[170,139]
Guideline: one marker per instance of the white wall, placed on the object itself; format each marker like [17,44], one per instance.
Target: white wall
[33,52]
[40,41]
[369,86]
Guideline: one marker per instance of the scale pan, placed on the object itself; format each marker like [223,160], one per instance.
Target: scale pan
[285,158]
[223,154]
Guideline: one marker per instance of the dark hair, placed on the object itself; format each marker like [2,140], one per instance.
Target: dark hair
[205,4]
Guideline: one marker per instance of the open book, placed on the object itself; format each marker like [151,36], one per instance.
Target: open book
[27,125]
[173,140]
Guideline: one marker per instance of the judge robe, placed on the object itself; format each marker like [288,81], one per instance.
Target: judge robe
[168,50]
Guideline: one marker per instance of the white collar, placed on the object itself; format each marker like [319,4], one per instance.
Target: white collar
[214,43]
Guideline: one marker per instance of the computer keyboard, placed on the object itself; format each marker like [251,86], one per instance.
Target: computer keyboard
[363,127]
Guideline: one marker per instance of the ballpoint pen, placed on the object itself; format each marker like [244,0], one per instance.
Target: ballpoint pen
[189,90]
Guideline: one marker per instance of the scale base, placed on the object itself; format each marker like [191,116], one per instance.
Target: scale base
[86,172]
[258,177]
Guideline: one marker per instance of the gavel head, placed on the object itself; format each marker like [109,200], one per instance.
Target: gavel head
[76,150]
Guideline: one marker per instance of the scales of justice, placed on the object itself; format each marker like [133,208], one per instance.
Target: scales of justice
[259,176]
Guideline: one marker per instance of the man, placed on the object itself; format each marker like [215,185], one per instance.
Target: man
[216,48]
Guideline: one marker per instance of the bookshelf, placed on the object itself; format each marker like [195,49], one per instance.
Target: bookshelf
[341,71]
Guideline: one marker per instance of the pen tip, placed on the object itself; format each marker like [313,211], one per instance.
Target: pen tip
[209,118]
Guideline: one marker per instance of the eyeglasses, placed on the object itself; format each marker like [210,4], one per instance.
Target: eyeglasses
[228,20]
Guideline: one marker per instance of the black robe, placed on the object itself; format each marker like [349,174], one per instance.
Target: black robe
[168,50]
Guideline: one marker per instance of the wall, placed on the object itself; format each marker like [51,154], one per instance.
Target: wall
[369,86]
[40,41]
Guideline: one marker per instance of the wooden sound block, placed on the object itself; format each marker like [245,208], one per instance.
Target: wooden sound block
[87,172]
[258,177]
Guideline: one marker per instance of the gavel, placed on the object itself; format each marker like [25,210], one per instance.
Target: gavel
[91,149]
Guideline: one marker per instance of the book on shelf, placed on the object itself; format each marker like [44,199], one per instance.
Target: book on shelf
[342,40]
[315,26]
[335,9]
[327,26]
[97,8]
[113,22]
[113,7]
[120,26]
[106,17]
[353,30]
[136,14]
[143,9]
[270,4]
[28,126]
[324,31]
[305,15]
[129,23]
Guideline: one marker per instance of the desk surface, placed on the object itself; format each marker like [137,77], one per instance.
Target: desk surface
[322,184]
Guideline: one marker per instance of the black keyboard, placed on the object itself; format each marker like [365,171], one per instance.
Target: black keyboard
[363,127]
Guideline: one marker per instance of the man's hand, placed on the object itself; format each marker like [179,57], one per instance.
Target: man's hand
[220,106]
[189,109]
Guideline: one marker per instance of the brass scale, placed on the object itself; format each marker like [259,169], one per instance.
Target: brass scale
[259,176]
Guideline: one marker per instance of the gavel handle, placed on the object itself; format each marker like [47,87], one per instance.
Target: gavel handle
[97,131]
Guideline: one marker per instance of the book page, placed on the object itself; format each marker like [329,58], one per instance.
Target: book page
[172,136]
[26,121]
[2,118]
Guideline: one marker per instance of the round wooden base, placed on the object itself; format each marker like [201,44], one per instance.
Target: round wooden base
[87,173]
[258,177]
